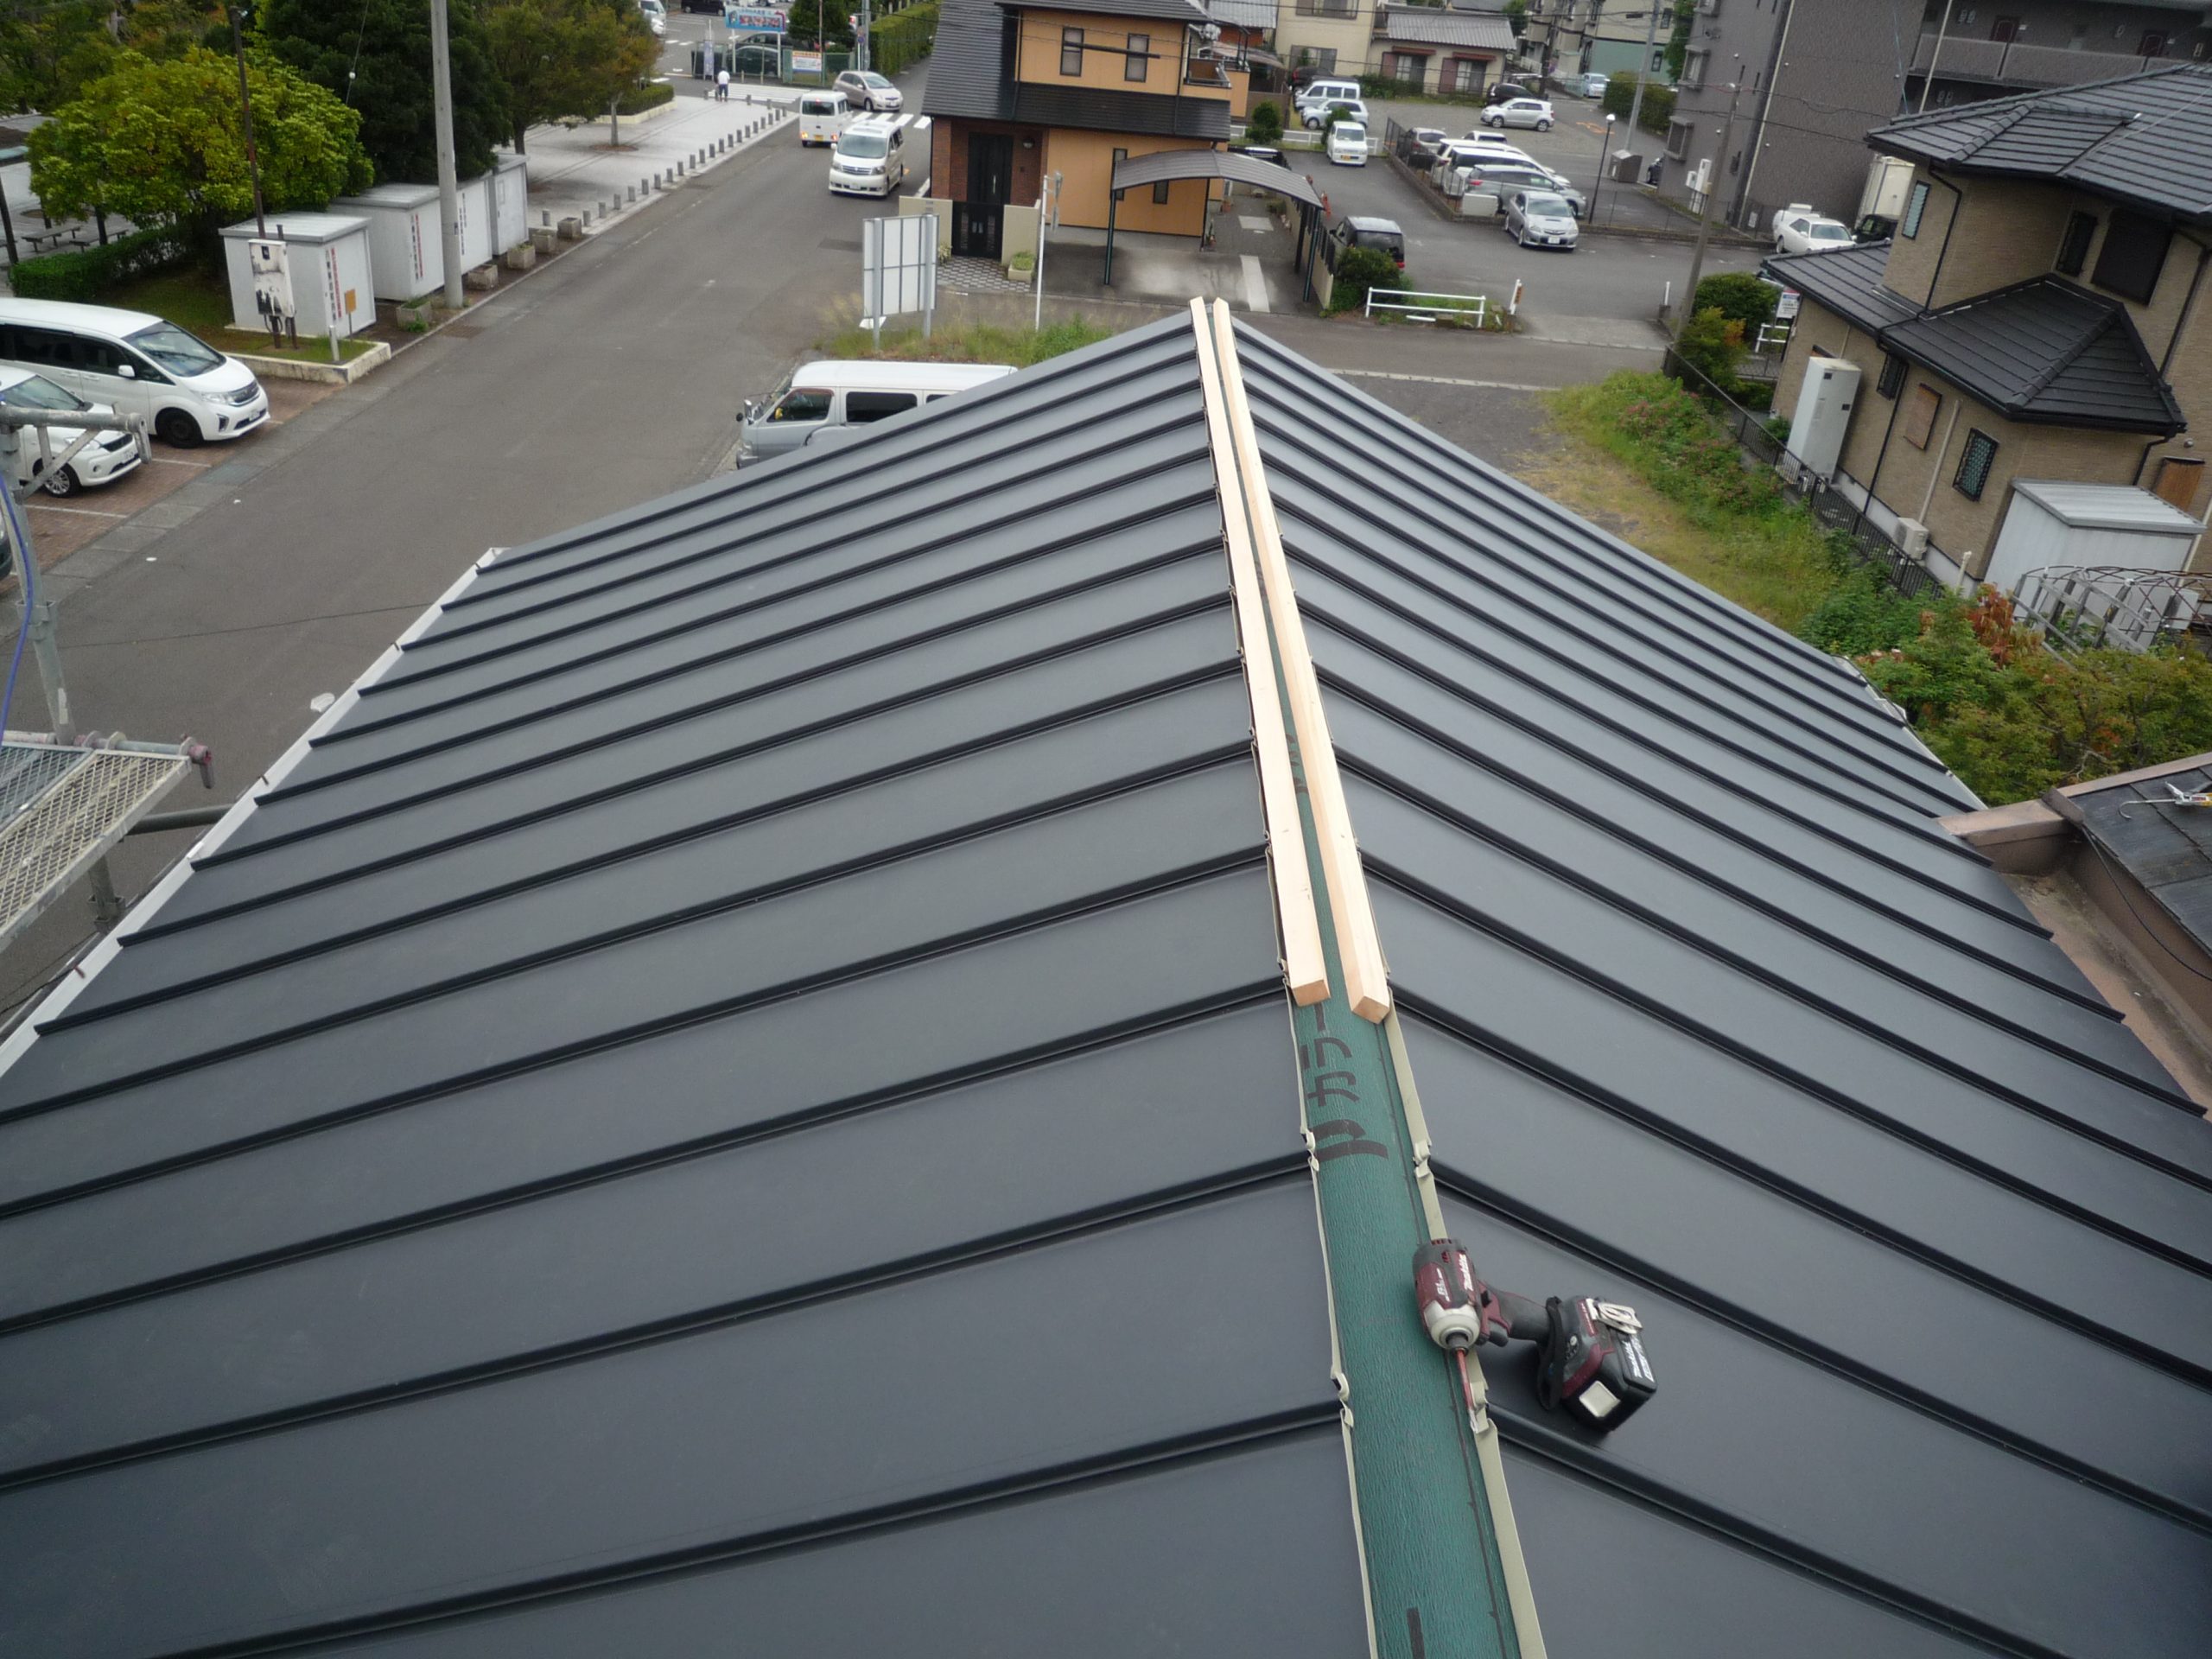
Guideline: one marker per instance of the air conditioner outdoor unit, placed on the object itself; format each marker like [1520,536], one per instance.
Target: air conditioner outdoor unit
[1912,537]
[1701,177]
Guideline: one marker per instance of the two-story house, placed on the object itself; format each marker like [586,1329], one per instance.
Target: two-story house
[2038,315]
[1019,91]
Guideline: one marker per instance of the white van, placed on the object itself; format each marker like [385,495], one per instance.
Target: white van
[820,396]
[1326,91]
[136,364]
[822,117]
[869,158]
[106,457]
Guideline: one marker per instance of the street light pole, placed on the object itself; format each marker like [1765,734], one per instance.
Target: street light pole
[448,185]
[1598,183]
[246,111]
[1705,207]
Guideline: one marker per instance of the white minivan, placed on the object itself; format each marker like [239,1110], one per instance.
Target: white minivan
[869,158]
[821,396]
[822,117]
[136,364]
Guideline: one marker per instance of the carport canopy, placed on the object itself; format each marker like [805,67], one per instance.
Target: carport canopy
[1165,164]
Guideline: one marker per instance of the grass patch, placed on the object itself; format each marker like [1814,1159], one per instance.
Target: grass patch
[201,304]
[973,342]
[1684,494]
[2009,716]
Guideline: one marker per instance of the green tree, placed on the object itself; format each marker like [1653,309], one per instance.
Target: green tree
[809,20]
[162,143]
[1678,43]
[1358,271]
[375,56]
[165,29]
[47,53]
[1516,13]
[565,57]
[1739,296]
[1711,343]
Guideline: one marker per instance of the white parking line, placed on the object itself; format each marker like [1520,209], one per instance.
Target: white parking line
[82,512]
[1440,380]
[1255,285]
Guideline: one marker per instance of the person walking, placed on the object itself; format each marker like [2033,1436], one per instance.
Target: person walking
[722,85]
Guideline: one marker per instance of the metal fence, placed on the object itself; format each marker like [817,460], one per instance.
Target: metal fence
[1755,433]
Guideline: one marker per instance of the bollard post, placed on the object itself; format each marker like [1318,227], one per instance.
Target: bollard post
[545,216]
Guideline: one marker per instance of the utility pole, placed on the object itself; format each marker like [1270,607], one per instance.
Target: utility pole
[449,186]
[1705,205]
[1929,79]
[860,37]
[1642,71]
[246,110]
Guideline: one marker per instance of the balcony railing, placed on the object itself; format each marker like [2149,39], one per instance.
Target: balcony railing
[1204,72]
[2021,63]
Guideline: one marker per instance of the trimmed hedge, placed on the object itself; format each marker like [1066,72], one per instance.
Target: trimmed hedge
[86,274]
[902,38]
[1658,102]
[651,96]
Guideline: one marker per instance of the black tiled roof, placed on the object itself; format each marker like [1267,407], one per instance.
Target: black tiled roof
[2042,351]
[1174,11]
[2144,138]
[744,1088]
[970,75]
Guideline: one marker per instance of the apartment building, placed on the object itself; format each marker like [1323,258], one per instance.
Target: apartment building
[1985,51]
[2036,318]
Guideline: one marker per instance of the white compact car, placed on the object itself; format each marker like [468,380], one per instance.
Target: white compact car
[1348,144]
[656,15]
[869,158]
[1798,229]
[1315,115]
[866,90]
[106,457]
[1520,112]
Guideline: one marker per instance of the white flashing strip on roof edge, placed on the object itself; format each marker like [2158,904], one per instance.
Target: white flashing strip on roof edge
[150,902]
[1304,966]
[1520,1594]
[1367,982]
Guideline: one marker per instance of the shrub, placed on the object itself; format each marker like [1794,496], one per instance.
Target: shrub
[1359,269]
[87,274]
[1864,612]
[1264,124]
[902,37]
[1740,296]
[1711,344]
[1658,102]
[651,96]
[1024,260]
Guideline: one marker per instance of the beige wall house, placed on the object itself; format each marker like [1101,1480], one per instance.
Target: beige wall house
[1017,93]
[2038,315]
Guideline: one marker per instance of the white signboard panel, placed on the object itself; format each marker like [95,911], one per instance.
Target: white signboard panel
[898,265]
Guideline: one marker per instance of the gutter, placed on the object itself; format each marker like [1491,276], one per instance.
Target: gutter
[1758,130]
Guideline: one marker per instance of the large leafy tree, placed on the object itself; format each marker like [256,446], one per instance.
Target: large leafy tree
[830,26]
[565,57]
[163,143]
[46,52]
[375,54]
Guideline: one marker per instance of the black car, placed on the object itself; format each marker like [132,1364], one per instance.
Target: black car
[1266,153]
[1361,231]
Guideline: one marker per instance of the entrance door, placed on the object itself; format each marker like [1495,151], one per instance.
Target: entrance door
[978,221]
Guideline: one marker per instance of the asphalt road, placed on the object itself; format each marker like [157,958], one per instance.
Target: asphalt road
[611,376]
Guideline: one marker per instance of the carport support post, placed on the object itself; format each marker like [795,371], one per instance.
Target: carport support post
[1113,203]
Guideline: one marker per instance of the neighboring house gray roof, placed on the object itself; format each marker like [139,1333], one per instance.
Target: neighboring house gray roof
[2144,138]
[1174,11]
[1243,14]
[970,76]
[2042,351]
[1477,31]
[746,1085]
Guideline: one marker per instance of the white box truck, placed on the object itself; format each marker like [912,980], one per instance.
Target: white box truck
[1881,204]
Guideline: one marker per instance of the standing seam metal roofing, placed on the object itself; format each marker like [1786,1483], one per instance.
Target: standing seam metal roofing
[742,1091]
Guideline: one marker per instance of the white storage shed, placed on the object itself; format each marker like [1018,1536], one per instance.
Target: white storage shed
[510,202]
[2053,522]
[403,247]
[332,282]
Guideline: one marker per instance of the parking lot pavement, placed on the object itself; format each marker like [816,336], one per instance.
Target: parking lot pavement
[1607,291]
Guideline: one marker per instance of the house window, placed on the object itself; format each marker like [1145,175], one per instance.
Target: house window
[1920,416]
[1693,69]
[1322,59]
[2074,247]
[1138,64]
[2153,46]
[1678,139]
[1070,51]
[2003,29]
[1892,380]
[2133,254]
[1328,9]
[1159,193]
[1915,206]
[1975,465]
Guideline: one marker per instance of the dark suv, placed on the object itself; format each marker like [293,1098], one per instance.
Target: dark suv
[1381,234]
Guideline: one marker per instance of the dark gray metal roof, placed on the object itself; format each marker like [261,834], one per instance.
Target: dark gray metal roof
[745,1088]
[1705,1013]
[1140,170]
[2040,351]
[2166,848]
[970,76]
[754,1056]
[1472,31]
[1174,11]
[2143,138]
